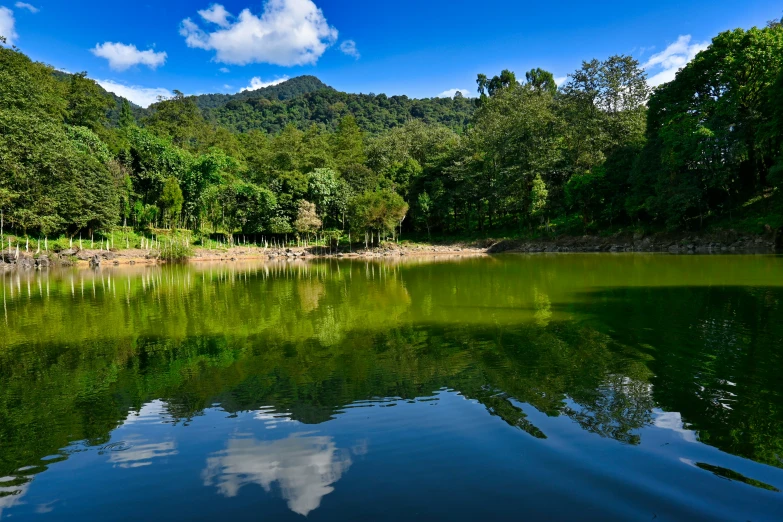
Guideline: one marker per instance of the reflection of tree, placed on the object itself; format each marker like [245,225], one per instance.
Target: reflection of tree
[310,339]
[543,307]
[304,466]
[715,358]
[615,409]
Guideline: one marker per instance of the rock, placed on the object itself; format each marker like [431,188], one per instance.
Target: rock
[25,262]
[95,261]
[131,262]
[43,261]
[116,263]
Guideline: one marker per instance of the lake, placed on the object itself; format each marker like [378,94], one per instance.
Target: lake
[609,387]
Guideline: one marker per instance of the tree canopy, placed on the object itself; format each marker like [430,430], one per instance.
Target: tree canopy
[602,151]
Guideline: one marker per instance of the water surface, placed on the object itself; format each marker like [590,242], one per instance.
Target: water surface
[613,387]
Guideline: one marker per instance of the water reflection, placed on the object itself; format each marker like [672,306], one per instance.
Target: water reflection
[621,348]
[12,489]
[304,466]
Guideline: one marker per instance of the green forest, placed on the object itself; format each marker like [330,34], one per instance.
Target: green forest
[601,153]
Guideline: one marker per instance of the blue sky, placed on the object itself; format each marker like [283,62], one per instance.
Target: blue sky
[421,48]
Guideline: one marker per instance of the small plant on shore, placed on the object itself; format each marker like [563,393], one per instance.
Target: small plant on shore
[175,250]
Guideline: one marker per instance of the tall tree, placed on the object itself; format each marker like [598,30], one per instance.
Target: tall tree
[88,104]
[540,80]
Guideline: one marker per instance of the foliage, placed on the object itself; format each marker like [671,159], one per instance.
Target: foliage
[600,153]
[380,211]
[307,220]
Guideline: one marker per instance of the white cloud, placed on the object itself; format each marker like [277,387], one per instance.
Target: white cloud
[560,80]
[225,70]
[349,47]
[7,23]
[122,57]
[256,83]
[216,14]
[141,96]
[24,5]
[288,33]
[453,92]
[662,67]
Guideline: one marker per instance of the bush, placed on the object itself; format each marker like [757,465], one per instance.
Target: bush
[175,250]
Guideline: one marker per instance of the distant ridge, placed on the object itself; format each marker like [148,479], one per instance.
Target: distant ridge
[281,92]
[305,101]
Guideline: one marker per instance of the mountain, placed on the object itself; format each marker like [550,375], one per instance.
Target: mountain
[281,92]
[305,101]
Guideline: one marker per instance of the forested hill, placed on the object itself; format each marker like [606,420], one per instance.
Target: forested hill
[374,113]
[306,100]
[280,92]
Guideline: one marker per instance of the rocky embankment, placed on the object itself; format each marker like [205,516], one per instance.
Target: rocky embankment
[719,243]
[723,243]
[12,258]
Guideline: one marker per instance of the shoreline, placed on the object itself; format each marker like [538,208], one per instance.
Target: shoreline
[720,243]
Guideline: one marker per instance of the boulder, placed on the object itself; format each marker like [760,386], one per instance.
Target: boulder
[43,261]
[95,261]
[25,262]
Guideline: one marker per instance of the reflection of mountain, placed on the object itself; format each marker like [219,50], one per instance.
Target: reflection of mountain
[304,466]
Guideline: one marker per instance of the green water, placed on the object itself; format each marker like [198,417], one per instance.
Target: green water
[563,386]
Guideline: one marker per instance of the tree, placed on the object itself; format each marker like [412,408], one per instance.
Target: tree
[127,119]
[708,134]
[307,221]
[88,104]
[349,143]
[505,80]
[541,81]
[322,190]
[424,204]
[239,206]
[379,212]
[179,119]
[171,200]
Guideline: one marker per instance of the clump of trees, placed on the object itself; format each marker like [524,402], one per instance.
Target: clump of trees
[601,151]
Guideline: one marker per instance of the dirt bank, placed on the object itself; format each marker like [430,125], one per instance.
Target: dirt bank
[725,242]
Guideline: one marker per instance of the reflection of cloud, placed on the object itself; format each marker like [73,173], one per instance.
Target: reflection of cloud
[11,495]
[143,454]
[361,447]
[151,413]
[304,467]
[672,420]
